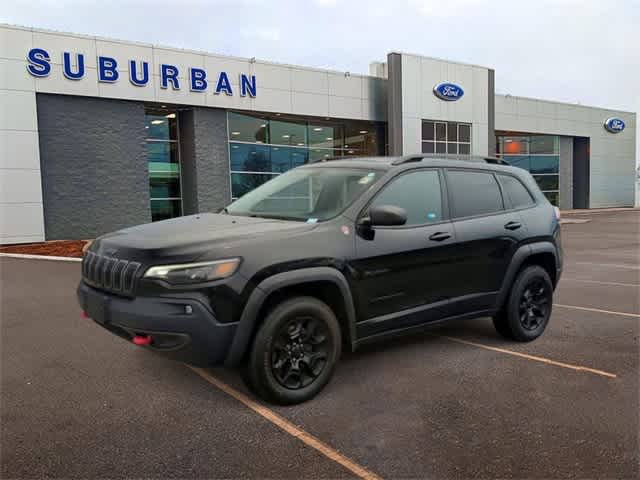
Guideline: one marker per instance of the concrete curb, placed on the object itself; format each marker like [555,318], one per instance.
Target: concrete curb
[39,257]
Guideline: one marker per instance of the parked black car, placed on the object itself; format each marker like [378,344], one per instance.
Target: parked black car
[326,257]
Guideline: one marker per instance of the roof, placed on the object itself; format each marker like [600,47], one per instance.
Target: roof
[423,159]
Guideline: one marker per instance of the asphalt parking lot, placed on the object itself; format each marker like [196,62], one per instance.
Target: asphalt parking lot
[454,402]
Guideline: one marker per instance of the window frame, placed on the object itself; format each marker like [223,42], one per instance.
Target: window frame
[446,217]
[505,196]
[480,215]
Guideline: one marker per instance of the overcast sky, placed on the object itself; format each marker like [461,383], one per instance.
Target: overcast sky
[582,51]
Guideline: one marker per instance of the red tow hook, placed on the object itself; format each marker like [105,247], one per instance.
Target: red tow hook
[84,314]
[142,339]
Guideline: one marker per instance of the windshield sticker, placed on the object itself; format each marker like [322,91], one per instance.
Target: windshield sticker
[312,220]
[431,216]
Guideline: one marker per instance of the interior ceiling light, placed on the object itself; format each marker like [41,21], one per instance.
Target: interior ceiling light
[329,138]
[263,125]
[301,144]
[317,129]
[286,136]
[363,131]
[235,133]
[156,122]
[171,115]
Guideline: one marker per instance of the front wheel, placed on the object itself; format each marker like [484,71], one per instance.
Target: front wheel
[295,351]
[526,312]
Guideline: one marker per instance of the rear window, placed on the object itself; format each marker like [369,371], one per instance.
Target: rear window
[515,191]
[474,193]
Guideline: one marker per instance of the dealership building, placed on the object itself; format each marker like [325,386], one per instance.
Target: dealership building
[99,134]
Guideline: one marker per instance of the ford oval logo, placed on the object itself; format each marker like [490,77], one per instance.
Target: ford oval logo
[614,124]
[448,91]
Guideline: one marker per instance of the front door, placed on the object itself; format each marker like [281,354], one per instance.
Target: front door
[402,272]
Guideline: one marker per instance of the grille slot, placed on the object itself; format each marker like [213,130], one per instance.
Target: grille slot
[108,273]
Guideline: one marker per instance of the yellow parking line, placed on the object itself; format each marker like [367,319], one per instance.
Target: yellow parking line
[288,427]
[597,310]
[531,357]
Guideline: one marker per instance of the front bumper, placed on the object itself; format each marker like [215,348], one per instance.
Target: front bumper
[182,329]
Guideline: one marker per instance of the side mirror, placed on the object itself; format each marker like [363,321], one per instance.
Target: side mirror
[385,216]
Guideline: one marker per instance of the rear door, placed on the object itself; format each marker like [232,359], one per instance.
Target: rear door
[488,231]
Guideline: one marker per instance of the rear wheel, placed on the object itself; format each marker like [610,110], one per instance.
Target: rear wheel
[526,312]
[295,351]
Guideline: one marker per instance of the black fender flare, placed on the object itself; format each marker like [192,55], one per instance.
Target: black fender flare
[249,318]
[519,257]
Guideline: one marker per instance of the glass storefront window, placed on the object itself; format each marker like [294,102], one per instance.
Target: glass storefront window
[162,126]
[538,154]
[544,163]
[544,144]
[163,159]
[263,146]
[245,128]
[165,209]
[288,133]
[547,182]
[326,136]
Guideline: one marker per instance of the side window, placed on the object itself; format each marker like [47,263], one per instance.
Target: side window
[473,193]
[418,193]
[516,191]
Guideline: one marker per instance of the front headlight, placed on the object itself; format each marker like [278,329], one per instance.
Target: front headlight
[194,272]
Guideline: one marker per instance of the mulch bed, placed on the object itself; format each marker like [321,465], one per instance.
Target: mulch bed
[58,248]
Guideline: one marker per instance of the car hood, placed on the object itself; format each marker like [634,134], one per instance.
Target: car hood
[191,237]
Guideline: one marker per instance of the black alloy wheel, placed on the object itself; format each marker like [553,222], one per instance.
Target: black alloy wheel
[527,309]
[295,351]
[300,351]
[534,304]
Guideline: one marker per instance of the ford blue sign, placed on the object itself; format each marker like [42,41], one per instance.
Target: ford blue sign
[614,124]
[448,91]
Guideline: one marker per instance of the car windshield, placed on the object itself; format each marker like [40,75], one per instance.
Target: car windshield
[306,194]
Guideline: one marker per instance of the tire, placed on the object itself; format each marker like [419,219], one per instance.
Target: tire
[526,313]
[294,352]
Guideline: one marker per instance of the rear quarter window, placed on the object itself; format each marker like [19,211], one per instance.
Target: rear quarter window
[473,193]
[516,192]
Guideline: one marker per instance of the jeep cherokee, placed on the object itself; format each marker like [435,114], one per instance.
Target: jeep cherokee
[328,256]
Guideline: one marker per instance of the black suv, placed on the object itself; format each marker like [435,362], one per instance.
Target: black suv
[328,256]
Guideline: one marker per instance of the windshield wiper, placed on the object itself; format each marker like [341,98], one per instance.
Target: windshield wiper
[275,217]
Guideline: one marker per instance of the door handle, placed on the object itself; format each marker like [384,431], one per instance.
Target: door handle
[513,225]
[439,236]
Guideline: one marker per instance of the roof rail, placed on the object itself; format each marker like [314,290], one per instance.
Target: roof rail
[468,158]
[408,159]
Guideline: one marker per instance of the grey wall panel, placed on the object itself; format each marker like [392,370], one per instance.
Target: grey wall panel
[566,173]
[211,158]
[94,165]
[394,101]
[491,110]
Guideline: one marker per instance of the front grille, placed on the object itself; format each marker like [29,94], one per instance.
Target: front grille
[108,273]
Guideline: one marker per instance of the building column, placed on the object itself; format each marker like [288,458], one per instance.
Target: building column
[204,151]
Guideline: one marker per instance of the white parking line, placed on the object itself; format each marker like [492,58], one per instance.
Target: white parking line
[616,284]
[611,265]
[597,310]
